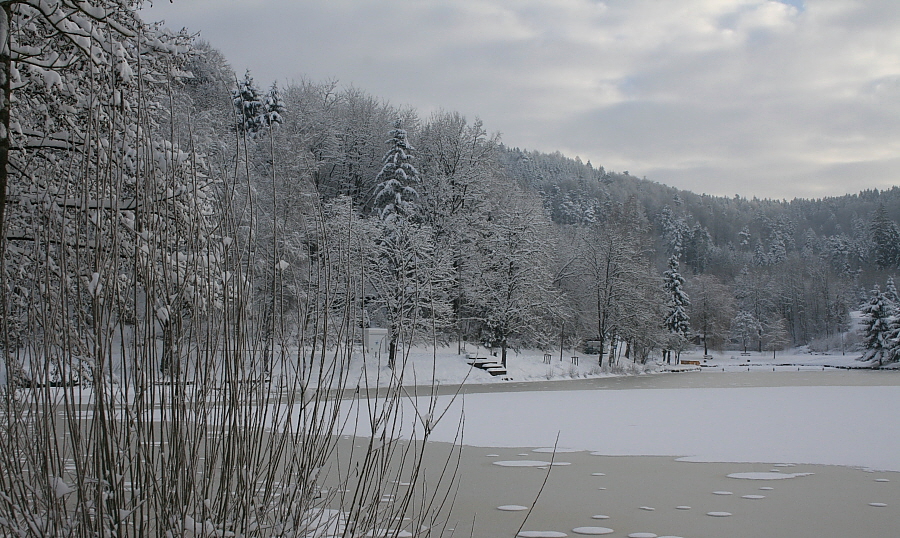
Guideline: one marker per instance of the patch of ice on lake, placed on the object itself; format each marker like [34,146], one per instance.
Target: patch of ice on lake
[528,463]
[648,508]
[882,480]
[753,497]
[542,534]
[767,476]
[558,450]
[682,507]
[879,505]
[522,454]
[598,474]
[641,535]
[785,465]
[766,488]
[594,531]
[599,516]
[492,455]
[384,533]
[719,514]
[601,489]
[722,493]
[512,508]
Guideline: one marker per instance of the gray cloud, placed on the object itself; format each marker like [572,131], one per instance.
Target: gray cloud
[757,97]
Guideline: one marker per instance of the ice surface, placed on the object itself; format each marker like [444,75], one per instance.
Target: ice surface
[753,497]
[595,531]
[739,424]
[528,463]
[641,535]
[558,450]
[599,516]
[882,480]
[598,474]
[542,534]
[682,507]
[718,514]
[879,505]
[766,476]
[648,508]
[512,508]
[722,493]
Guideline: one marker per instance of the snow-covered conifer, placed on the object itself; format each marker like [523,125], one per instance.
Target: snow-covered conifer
[250,106]
[273,107]
[677,322]
[876,325]
[396,192]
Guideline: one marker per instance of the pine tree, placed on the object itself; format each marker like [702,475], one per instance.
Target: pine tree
[876,322]
[396,192]
[890,292]
[885,239]
[250,106]
[677,321]
[273,107]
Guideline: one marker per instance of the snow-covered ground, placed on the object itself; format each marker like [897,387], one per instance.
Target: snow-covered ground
[449,367]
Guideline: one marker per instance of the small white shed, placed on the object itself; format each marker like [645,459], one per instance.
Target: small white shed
[376,339]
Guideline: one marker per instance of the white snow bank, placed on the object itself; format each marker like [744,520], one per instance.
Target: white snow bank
[851,426]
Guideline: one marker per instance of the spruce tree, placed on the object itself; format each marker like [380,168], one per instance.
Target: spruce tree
[877,314]
[885,239]
[250,106]
[396,192]
[677,321]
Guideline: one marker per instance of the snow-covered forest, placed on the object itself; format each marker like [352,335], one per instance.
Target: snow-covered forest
[175,237]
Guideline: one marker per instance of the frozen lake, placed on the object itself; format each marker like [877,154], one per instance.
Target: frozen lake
[826,418]
[653,454]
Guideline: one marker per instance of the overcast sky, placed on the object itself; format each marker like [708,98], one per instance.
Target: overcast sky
[775,99]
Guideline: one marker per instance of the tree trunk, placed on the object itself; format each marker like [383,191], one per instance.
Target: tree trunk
[602,350]
[169,364]
[503,352]
[392,352]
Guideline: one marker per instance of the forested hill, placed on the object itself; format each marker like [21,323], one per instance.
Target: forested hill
[841,228]
[438,228]
[791,270]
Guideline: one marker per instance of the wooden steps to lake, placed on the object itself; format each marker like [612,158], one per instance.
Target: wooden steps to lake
[489,365]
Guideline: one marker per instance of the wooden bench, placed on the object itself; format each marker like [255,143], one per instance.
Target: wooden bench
[690,361]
